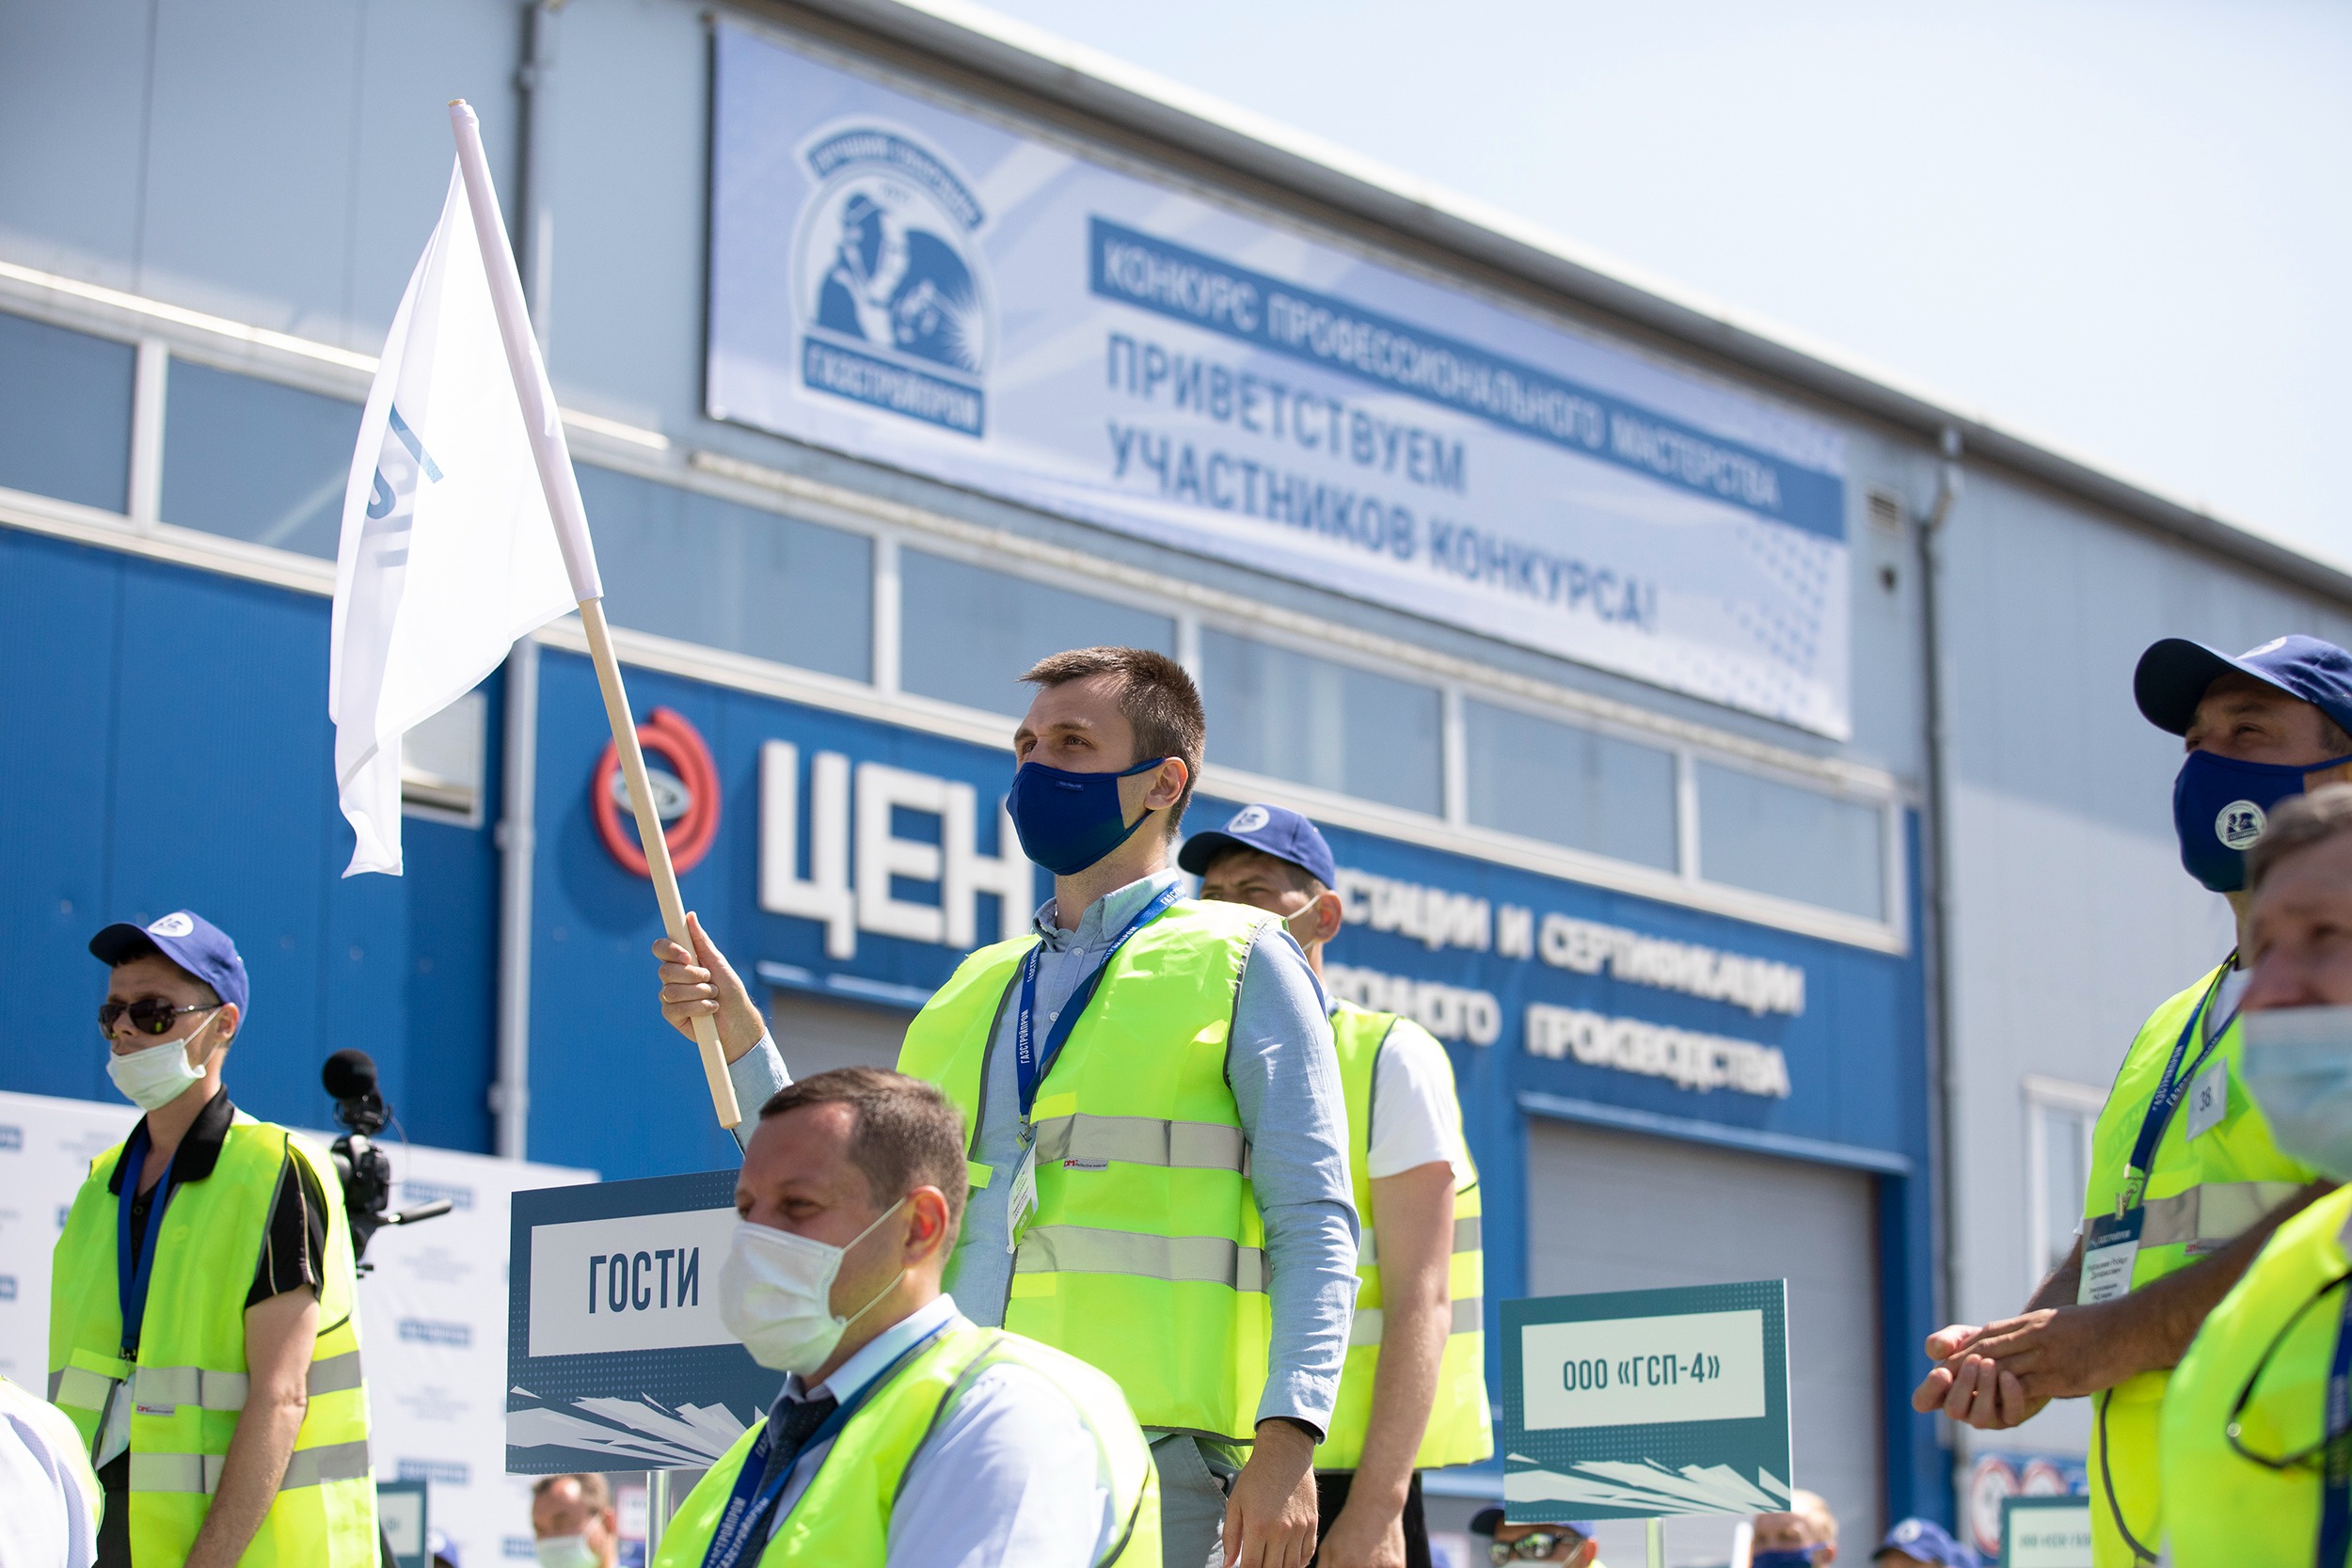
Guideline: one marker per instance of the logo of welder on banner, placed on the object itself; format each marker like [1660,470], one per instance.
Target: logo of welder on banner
[888,279]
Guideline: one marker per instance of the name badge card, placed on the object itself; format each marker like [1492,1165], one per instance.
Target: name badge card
[2109,1251]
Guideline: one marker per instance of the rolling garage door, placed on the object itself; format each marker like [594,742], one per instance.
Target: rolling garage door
[818,1034]
[1618,1211]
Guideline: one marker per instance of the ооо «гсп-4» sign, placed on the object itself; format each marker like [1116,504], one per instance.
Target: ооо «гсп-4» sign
[1645,1405]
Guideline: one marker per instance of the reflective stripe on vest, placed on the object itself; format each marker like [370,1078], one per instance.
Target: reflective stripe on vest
[2246,1512]
[2200,1192]
[201,1472]
[157,1388]
[1469,1233]
[1146,1233]
[1470,1317]
[1198,1259]
[842,1520]
[1460,1428]
[2215,1212]
[1144,1141]
[192,1382]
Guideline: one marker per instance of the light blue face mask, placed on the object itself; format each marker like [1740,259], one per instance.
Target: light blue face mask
[2297,1064]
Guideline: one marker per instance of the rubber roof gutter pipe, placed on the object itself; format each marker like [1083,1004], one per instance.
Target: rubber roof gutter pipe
[517,830]
[1943,1071]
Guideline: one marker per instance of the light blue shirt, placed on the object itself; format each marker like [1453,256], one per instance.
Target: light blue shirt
[1285,1080]
[1011,1475]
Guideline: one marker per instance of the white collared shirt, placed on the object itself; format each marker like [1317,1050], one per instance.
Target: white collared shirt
[1011,1476]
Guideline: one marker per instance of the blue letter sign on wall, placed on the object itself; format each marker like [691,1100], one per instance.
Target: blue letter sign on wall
[1639,1405]
[615,1358]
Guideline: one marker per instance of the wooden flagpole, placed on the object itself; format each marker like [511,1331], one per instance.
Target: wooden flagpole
[545,426]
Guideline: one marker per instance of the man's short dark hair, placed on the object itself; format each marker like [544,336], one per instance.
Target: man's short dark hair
[903,1133]
[2299,823]
[1295,876]
[1159,699]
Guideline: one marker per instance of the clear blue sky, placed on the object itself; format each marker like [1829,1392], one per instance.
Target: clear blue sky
[2125,228]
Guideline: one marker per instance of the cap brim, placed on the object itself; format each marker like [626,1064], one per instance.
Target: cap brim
[1202,850]
[2174,676]
[120,942]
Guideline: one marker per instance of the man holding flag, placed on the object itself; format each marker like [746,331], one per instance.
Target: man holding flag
[451,552]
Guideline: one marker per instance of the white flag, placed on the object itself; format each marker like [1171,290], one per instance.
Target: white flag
[447,552]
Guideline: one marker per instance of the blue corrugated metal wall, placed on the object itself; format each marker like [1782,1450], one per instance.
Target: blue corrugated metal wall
[166,737]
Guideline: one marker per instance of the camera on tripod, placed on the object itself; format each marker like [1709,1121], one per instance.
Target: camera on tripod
[365,1169]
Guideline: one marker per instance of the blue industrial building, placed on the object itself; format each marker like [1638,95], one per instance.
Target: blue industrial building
[1731,958]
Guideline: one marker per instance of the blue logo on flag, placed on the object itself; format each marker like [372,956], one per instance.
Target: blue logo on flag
[889,281]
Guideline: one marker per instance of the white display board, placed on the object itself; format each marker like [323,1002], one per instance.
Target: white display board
[432,1311]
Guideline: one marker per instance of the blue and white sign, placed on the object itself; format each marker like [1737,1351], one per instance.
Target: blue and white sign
[913,284]
[1642,1405]
[616,1356]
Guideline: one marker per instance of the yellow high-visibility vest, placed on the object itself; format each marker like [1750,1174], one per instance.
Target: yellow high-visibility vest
[843,1519]
[2275,1332]
[2200,1192]
[1460,1428]
[188,1384]
[1146,1254]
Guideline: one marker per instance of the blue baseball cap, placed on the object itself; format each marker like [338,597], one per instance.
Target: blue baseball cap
[1929,1541]
[188,940]
[1274,831]
[2173,677]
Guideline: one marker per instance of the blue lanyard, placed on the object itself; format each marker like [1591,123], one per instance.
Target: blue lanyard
[2173,1084]
[745,1520]
[130,1283]
[1031,1064]
[2335,1509]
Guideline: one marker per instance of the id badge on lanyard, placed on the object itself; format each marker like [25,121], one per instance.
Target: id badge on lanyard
[2110,1247]
[1033,1059]
[2111,1242]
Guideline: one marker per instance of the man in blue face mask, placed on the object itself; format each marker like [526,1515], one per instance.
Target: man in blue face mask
[2187,1181]
[1157,1133]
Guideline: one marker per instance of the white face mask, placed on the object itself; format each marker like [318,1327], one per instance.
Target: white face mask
[2297,1064]
[566,1551]
[153,1078]
[775,1294]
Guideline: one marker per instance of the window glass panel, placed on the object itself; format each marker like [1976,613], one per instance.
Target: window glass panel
[1569,785]
[2066,1172]
[970,632]
[255,460]
[682,565]
[65,413]
[1797,843]
[1293,716]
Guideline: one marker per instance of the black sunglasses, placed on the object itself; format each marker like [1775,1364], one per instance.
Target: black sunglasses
[150,1015]
[2315,1455]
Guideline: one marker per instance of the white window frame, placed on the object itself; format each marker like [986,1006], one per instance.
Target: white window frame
[2042,1094]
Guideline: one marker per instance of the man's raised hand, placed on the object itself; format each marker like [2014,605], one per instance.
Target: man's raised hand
[701,984]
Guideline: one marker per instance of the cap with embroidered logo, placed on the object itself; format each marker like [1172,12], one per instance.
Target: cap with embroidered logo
[1275,830]
[188,940]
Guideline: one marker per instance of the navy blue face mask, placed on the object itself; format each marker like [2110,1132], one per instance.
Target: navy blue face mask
[2220,806]
[1784,1557]
[1068,821]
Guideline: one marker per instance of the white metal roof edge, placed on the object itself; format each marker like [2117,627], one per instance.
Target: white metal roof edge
[1032,60]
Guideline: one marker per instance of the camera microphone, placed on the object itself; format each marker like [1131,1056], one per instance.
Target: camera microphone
[349,1074]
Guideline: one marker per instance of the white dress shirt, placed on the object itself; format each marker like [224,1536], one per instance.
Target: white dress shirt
[1010,1477]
